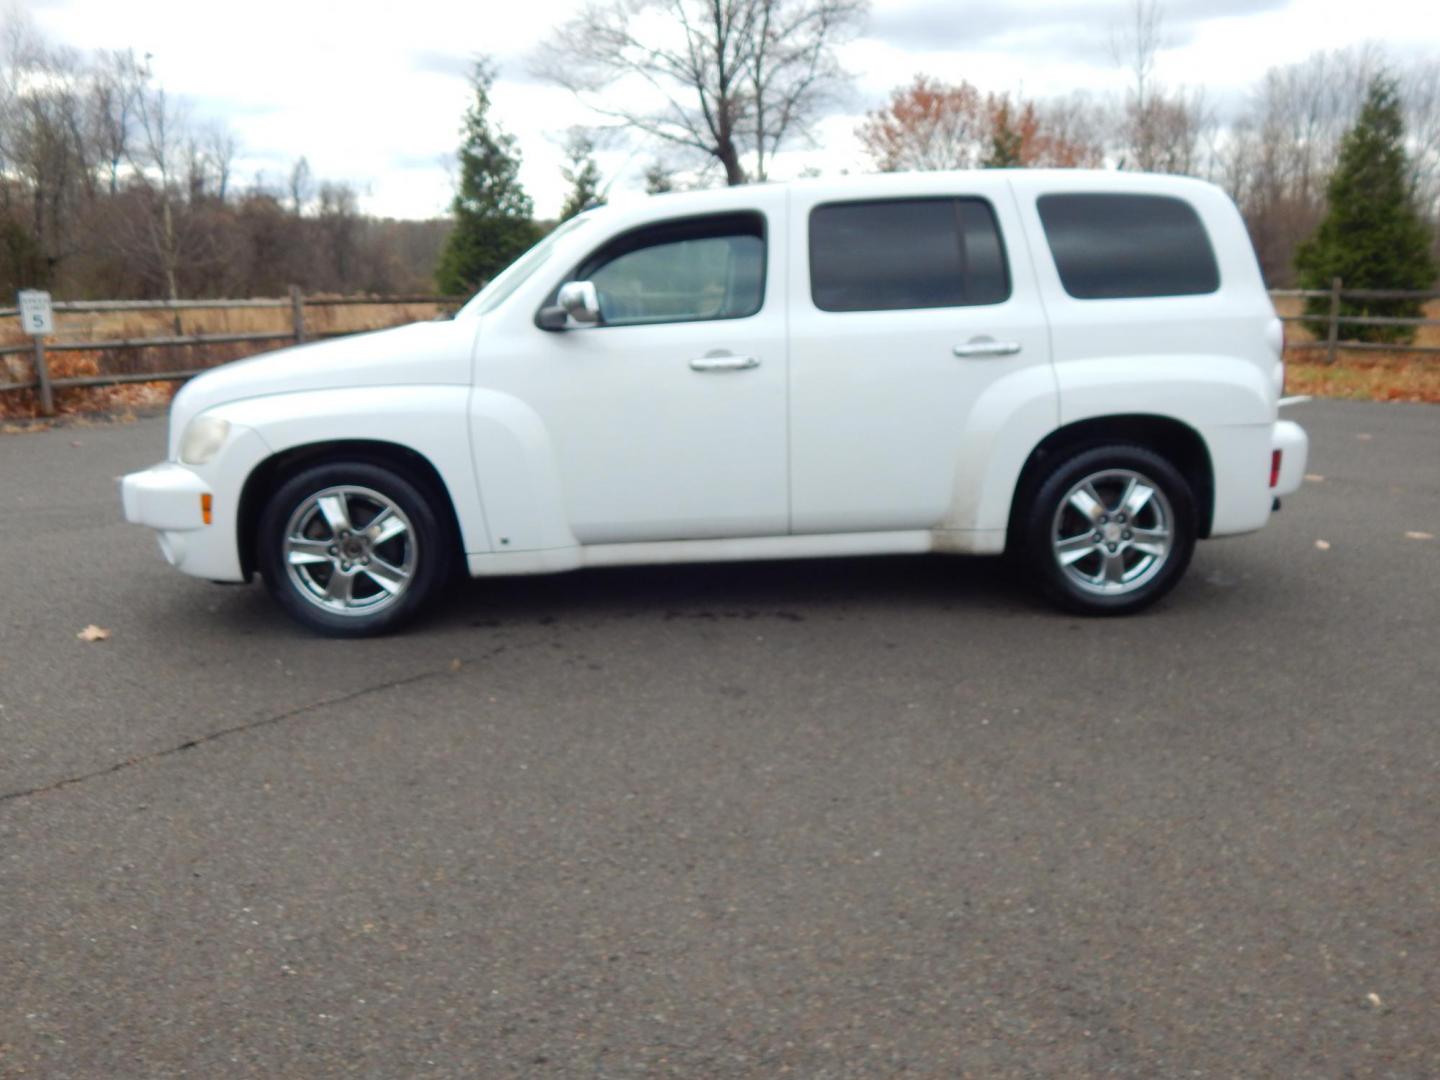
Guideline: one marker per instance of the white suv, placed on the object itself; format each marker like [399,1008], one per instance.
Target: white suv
[1082,368]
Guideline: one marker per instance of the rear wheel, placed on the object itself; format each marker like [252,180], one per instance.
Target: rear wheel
[352,548]
[1109,531]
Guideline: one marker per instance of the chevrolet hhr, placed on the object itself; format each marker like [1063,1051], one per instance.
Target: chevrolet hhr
[1080,369]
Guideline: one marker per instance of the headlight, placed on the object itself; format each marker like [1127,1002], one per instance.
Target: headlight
[202,439]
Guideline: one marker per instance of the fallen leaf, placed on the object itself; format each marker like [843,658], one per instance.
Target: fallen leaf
[1411,534]
[1314,478]
[93,633]
[455,665]
[1323,545]
[1374,999]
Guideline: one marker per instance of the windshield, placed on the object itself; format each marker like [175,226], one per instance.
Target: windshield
[518,272]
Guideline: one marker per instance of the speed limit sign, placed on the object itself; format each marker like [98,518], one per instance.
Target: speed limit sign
[36,316]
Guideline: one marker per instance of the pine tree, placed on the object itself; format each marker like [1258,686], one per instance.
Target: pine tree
[659,179]
[1005,148]
[583,176]
[1372,237]
[494,218]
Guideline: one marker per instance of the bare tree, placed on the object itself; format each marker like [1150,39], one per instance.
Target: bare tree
[158,160]
[1420,96]
[221,147]
[1159,130]
[300,185]
[115,88]
[339,224]
[45,142]
[1135,46]
[733,79]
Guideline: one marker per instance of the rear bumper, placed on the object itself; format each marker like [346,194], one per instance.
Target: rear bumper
[1290,440]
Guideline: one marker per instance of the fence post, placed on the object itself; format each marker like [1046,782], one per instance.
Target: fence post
[42,378]
[297,312]
[1334,334]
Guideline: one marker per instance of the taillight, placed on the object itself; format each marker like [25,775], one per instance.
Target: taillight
[1275,467]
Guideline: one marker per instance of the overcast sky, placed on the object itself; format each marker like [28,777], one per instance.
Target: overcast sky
[372,91]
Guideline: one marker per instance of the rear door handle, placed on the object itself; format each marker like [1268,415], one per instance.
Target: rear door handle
[724,362]
[987,346]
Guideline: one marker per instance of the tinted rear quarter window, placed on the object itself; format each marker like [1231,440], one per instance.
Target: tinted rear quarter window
[1114,246]
[906,253]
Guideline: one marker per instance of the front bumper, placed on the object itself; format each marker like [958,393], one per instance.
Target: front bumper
[1290,440]
[165,496]
[168,498]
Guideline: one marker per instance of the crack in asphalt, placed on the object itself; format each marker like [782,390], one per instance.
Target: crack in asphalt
[190,744]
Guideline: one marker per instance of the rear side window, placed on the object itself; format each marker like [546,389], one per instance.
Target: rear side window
[1112,246]
[906,253]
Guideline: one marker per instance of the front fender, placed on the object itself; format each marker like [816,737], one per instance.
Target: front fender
[433,421]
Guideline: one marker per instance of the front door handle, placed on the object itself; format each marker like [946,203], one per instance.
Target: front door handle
[987,346]
[724,362]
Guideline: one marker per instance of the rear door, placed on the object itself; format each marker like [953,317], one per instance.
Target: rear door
[905,313]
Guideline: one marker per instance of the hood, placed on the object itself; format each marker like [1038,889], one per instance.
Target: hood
[428,353]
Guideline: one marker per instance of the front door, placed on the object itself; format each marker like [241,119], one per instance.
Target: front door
[668,417]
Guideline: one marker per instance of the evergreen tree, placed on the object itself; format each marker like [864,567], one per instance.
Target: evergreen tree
[659,179]
[1005,147]
[1372,237]
[583,176]
[493,215]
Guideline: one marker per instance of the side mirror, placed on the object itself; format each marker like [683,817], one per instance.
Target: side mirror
[580,301]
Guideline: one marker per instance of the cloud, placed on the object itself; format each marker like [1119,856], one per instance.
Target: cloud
[1077,31]
[432,62]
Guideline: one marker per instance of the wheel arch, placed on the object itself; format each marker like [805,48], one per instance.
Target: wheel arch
[1172,439]
[268,476]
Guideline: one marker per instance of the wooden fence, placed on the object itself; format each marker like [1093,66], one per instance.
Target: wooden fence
[296,303]
[1332,321]
[45,386]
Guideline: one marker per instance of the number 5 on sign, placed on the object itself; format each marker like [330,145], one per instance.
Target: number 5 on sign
[36,316]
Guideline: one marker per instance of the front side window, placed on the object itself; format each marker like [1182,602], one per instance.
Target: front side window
[683,271]
[906,253]
[1111,246]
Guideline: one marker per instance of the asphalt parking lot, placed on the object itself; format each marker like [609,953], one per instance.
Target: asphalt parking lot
[840,818]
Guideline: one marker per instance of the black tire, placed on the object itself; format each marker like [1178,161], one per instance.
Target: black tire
[1121,558]
[384,568]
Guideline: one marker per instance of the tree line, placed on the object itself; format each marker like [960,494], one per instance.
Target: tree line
[718,88]
[109,189]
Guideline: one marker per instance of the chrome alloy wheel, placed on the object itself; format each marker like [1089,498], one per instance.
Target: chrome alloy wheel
[349,550]
[1112,532]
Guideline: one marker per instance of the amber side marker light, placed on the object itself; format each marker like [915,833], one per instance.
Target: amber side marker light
[207,501]
[1274,474]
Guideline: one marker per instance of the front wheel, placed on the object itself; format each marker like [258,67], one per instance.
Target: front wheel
[1109,531]
[352,549]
